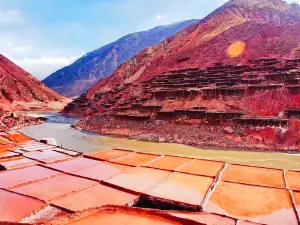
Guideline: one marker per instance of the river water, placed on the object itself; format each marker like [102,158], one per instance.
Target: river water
[59,127]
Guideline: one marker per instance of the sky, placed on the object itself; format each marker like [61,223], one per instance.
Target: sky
[42,36]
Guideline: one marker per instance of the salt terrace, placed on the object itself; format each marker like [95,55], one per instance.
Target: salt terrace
[43,184]
[146,100]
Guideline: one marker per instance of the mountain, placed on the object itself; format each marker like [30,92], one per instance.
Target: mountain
[267,28]
[75,79]
[17,85]
[230,80]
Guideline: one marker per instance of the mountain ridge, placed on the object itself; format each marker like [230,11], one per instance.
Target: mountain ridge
[277,4]
[76,78]
[190,42]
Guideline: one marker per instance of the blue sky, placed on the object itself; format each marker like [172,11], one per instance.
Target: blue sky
[45,35]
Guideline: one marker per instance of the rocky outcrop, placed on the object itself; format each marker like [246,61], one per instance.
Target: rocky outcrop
[75,79]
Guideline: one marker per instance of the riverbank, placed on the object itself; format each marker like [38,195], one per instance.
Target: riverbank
[14,116]
[58,126]
[46,106]
[190,133]
[13,121]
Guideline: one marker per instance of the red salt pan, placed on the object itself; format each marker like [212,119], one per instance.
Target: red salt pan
[12,178]
[7,147]
[168,163]
[55,187]
[139,179]
[135,159]
[45,215]
[254,175]
[37,148]
[73,164]
[31,143]
[98,195]
[19,151]
[293,179]
[9,155]
[202,167]
[205,218]
[17,163]
[130,216]
[15,207]
[48,156]
[102,171]
[17,137]
[296,196]
[109,154]
[183,188]
[253,203]
[68,152]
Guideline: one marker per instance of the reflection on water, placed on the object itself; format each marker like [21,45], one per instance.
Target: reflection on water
[59,128]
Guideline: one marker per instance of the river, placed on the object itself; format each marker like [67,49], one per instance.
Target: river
[59,127]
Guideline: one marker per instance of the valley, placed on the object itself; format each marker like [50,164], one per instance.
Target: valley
[189,122]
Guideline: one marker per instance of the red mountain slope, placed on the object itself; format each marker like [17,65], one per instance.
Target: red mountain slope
[245,94]
[17,85]
[269,28]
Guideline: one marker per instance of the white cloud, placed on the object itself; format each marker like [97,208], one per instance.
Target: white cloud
[10,17]
[15,48]
[29,55]
[30,50]
[159,17]
[43,66]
